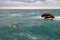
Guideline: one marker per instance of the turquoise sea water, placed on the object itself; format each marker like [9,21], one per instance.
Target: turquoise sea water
[18,24]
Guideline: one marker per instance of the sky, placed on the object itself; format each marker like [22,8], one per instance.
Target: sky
[41,3]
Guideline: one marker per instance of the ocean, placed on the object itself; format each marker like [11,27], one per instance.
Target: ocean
[25,24]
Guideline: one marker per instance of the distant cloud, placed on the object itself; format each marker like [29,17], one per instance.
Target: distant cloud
[30,3]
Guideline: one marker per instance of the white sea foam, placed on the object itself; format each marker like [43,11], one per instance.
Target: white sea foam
[39,17]
[16,14]
[32,37]
[57,18]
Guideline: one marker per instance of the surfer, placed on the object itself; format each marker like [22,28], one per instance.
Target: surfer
[47,15]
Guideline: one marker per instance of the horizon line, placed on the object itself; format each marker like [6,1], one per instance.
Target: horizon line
[29,7]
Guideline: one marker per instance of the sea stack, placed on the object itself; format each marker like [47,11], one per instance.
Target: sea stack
[47,15]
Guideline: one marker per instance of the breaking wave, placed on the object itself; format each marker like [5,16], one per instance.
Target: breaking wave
[39,17]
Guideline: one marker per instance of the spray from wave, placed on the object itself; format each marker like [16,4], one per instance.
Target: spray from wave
[39,17]
[57,18]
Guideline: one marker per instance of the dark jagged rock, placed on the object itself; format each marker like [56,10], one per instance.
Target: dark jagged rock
[47,15]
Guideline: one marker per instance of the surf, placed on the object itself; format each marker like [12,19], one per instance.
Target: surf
[57,18]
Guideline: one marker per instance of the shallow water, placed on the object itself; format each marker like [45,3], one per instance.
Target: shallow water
[18,24]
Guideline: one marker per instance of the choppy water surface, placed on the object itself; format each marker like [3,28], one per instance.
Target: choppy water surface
[16,24]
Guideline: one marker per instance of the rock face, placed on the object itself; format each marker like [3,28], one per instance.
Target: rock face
[47,15]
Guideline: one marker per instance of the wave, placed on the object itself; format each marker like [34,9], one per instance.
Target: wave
[57,18]
[16,15]
[39,17]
